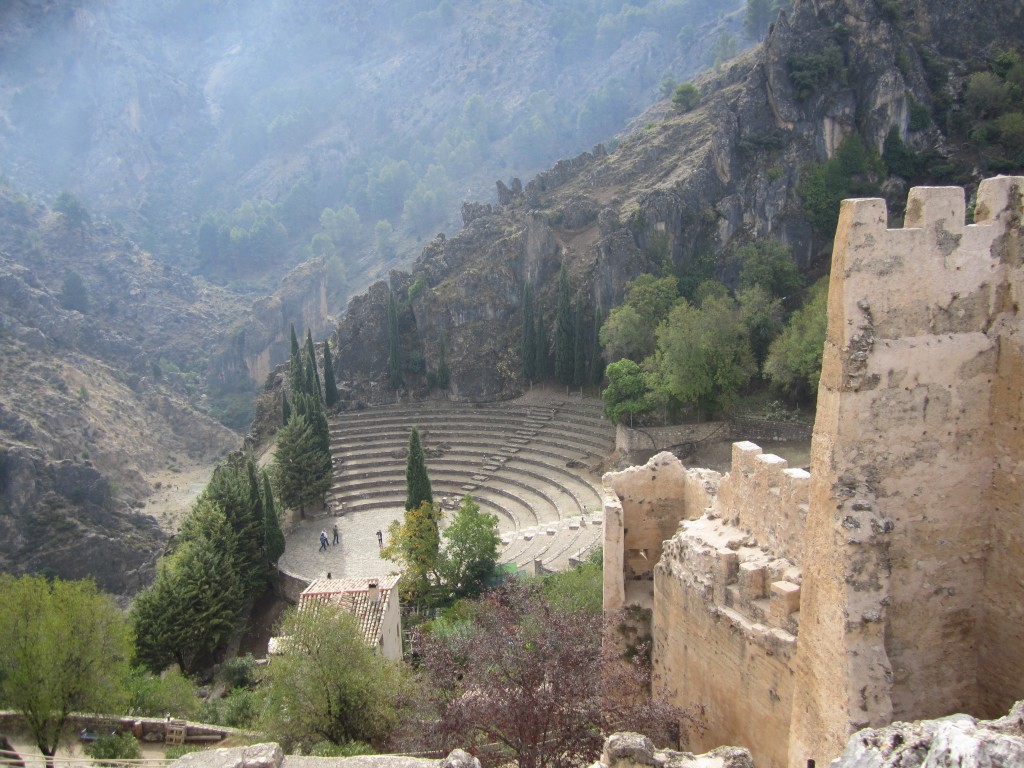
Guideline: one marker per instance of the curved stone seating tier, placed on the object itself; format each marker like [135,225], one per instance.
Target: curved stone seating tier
[521,462]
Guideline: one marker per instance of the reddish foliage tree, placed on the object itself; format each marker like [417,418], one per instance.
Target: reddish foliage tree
[525,682]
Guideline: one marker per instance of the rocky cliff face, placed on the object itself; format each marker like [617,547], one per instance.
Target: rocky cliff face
[98,395]
[680,186]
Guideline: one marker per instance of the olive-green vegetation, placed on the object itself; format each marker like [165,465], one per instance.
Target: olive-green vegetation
[698,354]
[437,568]
[64,647]
[580,588]
[686,97]
[794,359]
[114,746]
[329,685]
[853,171]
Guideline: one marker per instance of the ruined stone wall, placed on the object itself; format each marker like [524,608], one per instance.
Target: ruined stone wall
[899,532]
[889,583]
[726,604]
[643,508]
[1001,646]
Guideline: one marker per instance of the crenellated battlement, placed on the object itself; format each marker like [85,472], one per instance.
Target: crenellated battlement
[764,496]
[886,583]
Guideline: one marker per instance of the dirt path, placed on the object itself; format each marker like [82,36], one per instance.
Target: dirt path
[175,493]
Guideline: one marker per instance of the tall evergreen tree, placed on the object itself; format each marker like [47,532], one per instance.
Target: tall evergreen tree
[273,536]
[542,369]
[303,467]
[295,341]
[286,409]
[443,372]
[310,406]
[230,490]
[529,348]
[563,331]
[596,358]
[297,375]
[579,353]
[330,383]
[311,357]
[417,483]
[394,359]
[312,377]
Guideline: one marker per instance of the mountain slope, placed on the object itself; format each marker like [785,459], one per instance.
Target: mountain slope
[95,399]
[690,188]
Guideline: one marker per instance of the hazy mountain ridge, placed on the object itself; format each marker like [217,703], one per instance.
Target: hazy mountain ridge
[688,187]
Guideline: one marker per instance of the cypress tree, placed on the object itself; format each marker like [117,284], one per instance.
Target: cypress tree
[529,349]
[273,536]
[330,383]
[312,409]
[286,409]
[297,375]
[596,359]
[311,355]
[443,374]
[417,483]
[394,363]
[303,467]
[229,489]
[542,369]
[579,363]
[563,331]
[295,341]
[258,507]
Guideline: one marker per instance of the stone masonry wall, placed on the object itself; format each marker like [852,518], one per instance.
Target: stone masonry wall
[900,528]
[889,582]
[726,605]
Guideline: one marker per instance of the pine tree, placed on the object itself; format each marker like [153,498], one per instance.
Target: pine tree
[563,331]
[394,361]
[273,536]
[579,356]
[330,383]
[417,483]
[529,349]
[542,368]
[311,357]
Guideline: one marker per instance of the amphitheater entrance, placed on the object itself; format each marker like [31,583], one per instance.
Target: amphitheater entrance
[534,462]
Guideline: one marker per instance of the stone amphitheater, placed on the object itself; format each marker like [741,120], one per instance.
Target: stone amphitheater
[534,462]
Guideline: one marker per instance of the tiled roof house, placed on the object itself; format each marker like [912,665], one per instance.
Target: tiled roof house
[373,601]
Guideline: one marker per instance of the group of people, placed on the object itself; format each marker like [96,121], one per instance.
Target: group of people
[325,542]
[323,538]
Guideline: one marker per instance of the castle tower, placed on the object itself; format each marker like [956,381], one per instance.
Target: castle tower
[913,554]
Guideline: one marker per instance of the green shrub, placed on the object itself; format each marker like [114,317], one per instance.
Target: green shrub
[239,672]
[686,97]
[349,749]
[115,746]
[810,72]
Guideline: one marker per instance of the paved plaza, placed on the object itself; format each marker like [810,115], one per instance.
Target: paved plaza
[357,554]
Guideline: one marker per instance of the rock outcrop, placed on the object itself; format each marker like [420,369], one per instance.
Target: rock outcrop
[957,740]
[680,187]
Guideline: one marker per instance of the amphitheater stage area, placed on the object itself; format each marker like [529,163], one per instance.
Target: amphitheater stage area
[534,462]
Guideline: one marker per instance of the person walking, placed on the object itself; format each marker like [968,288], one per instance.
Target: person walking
[336,539]
[380,540]
[323,541]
